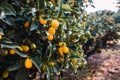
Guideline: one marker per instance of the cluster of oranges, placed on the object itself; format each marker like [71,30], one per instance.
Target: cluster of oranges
[25,48]
[51,30]
[63,49]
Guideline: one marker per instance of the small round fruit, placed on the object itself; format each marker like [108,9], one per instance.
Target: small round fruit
[1,36]
[28,63]
[33,19]
[5,74]
[50,37]
[74,60]
[12,51]
[51,30]
[54,24]
[42,21]
[27,24]
[32,46]
[62,44]
[60,50]
[65,49]
[25,48]
[44,67]
[51,63]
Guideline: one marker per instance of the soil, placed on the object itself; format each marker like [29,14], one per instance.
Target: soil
[104,66]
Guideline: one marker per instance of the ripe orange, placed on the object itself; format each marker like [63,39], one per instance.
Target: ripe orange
[33,19]
[12,51]
[65,49]
[42,21]
[54,23]
[44,67]
[25,48]
[60,50]
[1,36]
[27,24]
[50,37]
[62,44]
[51,30]
[51,63]
[28,63]
[5,74]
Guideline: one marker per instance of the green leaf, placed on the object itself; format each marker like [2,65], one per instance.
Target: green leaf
[22,74]
[93,6]
[1,31]
[15,66]
[34,25]
[9,21]
[9,45]
[20,53]
[50,73]
[8,9]
[56,70]
[66,7]
[36,62]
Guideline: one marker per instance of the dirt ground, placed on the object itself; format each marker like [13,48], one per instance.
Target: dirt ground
[106,65]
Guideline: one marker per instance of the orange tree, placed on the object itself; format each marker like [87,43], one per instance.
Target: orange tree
[44,36]
[104,26]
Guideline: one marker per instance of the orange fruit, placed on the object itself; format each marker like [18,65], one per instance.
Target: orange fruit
[12,51]
[74,60]
[60,50]
[44,67]
[5,74]
[65,49]
[54,23]
[1,36]
[51,63]
[33,19]
[25,48]
[28,63]
[27,24]
[51,30]
[42,21]
[50,37]
[62,44]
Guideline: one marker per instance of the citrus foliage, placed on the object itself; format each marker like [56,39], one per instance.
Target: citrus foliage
[104,26]
[30,36]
